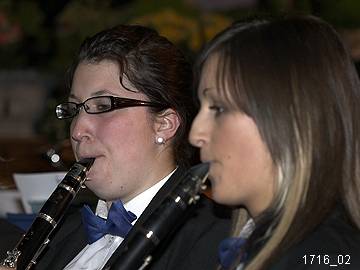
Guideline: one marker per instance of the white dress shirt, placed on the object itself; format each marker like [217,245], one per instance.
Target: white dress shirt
[95,255]
[246,231]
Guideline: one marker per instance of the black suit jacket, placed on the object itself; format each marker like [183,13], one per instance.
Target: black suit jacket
[192,246]
[334,242]
[9,236]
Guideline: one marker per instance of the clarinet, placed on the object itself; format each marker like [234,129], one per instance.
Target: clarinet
[137,253]
[33,242]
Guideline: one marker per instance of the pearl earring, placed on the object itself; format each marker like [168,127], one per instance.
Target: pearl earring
[160,140]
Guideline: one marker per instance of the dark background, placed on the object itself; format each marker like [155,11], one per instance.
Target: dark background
[38,40]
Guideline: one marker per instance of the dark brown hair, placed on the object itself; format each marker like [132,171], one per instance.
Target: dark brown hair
[154,66]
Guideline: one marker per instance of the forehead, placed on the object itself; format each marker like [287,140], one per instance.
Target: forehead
[208,76]
[102,78]
[214,79]
[224,81]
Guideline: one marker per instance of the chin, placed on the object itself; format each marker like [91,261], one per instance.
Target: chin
[101,194]
[222,197]
[216,196]
[96,188]
[106,193]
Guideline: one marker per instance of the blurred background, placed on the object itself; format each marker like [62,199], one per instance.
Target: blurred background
[38,39]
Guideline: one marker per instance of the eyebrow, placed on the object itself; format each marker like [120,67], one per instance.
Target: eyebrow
[95,94]
[204,92]
[72,96]
[101,92]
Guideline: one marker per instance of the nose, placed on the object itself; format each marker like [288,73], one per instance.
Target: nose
[198,136]
[81,128]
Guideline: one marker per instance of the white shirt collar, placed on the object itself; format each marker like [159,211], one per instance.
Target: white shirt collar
[95,256]
[248,229]
[138,204]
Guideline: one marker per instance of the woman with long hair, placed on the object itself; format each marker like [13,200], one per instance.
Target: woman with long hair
[279,125]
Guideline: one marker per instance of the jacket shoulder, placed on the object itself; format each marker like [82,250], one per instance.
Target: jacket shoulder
[194,244]
[333,244]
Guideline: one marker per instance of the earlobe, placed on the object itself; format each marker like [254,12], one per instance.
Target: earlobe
[167,124]
[160,140]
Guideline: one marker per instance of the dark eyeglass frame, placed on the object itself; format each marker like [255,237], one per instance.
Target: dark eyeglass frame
[116,104]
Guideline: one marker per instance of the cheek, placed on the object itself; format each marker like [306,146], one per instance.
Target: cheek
[108,130]
[117,134]
[126,137]
[240,160]
[72,141]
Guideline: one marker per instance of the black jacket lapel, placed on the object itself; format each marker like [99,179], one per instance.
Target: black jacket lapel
[165,190]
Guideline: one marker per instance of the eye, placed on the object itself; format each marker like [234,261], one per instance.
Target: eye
[218,109]
[97,106]
[102,107]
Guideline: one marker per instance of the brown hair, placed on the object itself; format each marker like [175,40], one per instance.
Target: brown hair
[295,78]
[154,66]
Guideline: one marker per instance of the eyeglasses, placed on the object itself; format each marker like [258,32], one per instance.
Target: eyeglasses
[102,104]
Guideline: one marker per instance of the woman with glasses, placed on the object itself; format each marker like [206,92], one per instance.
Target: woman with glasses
[130,110]
[279,125]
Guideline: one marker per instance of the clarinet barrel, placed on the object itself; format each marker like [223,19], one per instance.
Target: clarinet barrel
[137,253]
[26,252]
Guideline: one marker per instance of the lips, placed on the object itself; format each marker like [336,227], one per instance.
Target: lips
[82,151]
[90,173]
[205,159]
[82,155]
[211,166]
[205,154]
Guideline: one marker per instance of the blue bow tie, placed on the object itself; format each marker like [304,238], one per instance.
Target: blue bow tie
[117,223]
[230,249]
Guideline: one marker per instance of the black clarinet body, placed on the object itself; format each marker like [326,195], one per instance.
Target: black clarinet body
[137,253]
[26,252]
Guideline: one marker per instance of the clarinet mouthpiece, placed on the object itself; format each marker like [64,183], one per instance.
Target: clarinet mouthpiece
[201,170]
[87,162]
